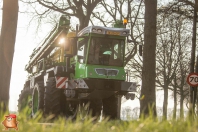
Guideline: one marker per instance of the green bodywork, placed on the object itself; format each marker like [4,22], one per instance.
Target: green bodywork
[35,101]
[88,71]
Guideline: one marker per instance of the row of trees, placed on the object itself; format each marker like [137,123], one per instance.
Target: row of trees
[173,53]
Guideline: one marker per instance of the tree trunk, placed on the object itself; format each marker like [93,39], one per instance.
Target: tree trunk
[7,42]
[175,97]
[181,103]
[84,17]
[195,91]
[196,5]
[165,103]
[83,23]
[183,75]
[192,62]
[148,100]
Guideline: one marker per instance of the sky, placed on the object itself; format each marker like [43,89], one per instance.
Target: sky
[26,40]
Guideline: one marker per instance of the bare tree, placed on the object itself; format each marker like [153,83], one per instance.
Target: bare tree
[186,9]
[167,56]
[115,11]
[81,9]
[7,43]
[180,82]
[180,85]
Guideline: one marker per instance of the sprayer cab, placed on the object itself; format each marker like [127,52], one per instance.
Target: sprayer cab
[100,47]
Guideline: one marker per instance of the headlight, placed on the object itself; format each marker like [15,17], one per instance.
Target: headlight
[62,40]
[99,30]
[124,33]
[93,30]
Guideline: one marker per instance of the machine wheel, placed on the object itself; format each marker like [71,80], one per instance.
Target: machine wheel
[38,98]
[53,98]
[55,101]
[25,100]
[71,109]
[110,107]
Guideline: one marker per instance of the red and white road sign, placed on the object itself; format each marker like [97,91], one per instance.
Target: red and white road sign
[61,82]
[192,79]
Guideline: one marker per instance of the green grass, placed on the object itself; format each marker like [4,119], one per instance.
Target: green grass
[38,124]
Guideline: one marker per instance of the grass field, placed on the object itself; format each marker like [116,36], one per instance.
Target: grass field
[38,124]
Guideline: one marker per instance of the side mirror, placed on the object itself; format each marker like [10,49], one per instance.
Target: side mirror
[78,45]
[66,45]
[73,42]
[40,66]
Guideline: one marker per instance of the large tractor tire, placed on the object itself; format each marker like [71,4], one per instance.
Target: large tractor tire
[55,103]
[25,101]
[110,107]
[53,99]
[38,98]
[71,109]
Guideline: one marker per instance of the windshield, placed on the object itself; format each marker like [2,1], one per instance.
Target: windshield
[105,51]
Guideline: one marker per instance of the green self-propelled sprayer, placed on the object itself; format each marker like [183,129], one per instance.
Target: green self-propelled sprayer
[77,72]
